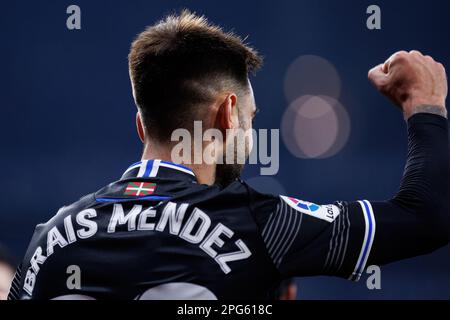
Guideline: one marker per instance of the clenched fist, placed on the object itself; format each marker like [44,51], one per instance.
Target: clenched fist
[414,82]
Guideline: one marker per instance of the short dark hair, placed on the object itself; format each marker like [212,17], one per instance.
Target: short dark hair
[178,64]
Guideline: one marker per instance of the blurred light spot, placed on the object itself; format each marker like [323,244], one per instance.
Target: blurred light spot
[315,127]
[314,75]
[265,184]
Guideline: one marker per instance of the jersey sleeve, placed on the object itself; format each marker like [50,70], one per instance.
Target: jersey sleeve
[341,239]
[307,239]
[14,291]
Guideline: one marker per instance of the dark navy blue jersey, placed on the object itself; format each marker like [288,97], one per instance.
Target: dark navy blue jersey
[159,234]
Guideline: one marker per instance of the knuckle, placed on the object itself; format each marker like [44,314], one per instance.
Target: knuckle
[400,57]
[372,72]
[416,52]
[401,54]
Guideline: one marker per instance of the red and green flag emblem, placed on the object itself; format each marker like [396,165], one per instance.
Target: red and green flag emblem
[140,188]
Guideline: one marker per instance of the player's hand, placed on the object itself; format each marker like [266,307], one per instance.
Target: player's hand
[412,80]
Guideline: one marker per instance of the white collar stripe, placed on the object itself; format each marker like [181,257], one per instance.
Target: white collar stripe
[171,166]
[142,168]
[155,167]
[150,168]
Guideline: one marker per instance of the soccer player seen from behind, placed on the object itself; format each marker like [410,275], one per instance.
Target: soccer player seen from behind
[167,230]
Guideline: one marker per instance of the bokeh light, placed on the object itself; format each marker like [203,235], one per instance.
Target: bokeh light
[315,127]
[311,75]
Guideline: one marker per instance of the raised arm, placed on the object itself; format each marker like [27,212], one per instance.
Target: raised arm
[417,219]
[305,239]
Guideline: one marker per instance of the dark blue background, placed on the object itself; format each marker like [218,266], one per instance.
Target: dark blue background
[67,123]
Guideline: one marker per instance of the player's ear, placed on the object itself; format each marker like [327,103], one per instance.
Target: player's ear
[227,112]
[140,127]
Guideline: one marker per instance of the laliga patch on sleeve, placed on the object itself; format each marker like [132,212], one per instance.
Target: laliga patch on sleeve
[327,212]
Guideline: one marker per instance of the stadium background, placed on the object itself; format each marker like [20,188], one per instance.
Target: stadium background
[67,123]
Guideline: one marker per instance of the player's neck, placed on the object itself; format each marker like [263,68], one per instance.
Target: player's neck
[204,173]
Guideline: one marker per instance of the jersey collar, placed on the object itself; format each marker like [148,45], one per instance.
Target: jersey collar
[158,168]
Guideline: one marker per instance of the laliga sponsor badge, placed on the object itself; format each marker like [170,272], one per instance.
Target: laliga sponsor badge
[327,212]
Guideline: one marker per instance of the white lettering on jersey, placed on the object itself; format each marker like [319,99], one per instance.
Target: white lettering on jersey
[214,238]
[119,217]
[205,222]
[55,237]
[91,226]
[143,224]
[243,253]
[174,215]
[194,230]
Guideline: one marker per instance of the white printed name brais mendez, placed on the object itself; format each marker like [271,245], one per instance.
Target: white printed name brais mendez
[196,230]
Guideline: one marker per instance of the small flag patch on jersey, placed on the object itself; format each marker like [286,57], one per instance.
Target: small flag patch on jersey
[140,188]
